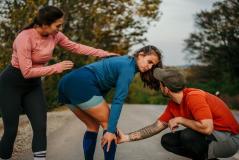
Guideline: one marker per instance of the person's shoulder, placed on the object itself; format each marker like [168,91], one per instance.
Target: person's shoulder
[24,35]
[194,95]
[123,65]
[125,59]
[125,62]
[193,91]
[171,106]
[59,36]
[117,59]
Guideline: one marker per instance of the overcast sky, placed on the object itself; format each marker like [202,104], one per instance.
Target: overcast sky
[175,25]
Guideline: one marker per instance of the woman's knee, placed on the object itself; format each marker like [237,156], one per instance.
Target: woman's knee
[94,127]
[104,125]
[91,123]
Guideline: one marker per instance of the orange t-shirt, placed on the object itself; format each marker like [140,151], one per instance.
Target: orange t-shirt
[198,105]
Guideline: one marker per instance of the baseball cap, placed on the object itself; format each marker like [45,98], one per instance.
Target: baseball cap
[171,78]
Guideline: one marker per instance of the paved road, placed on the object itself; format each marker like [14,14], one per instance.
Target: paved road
[66,143]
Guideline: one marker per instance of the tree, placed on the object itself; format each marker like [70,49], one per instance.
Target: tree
[14,15]
[216,43]
[111,25]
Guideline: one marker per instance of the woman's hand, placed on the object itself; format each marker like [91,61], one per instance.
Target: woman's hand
[121,138]
[110,54]
[65,65]
[107,139]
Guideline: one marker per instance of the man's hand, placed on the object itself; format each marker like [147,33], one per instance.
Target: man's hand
[121,138]
[174,123]
[107,139]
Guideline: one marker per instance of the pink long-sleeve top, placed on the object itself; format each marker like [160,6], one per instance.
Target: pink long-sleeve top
[31,52]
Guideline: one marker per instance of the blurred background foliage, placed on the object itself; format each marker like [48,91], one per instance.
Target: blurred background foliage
[110,25]
[116,26]
[215,47]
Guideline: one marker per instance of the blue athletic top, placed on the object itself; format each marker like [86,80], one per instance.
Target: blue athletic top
[115,72]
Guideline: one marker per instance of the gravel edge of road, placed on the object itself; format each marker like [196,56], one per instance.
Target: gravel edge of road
[55,120]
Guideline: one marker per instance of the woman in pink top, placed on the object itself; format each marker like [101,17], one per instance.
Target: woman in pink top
[20,82]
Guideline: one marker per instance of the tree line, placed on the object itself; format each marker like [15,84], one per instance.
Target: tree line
[118,25]
[215,47]
[110,25]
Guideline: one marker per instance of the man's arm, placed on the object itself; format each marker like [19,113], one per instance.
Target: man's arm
[203,126]
[143,133]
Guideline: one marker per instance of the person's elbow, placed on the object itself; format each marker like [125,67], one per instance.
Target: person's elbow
[207,126]
[27,74]
[208,130]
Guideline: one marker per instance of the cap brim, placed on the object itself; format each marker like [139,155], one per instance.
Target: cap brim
[158,73]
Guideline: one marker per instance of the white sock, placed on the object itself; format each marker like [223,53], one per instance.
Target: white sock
[39,155]
[38,158]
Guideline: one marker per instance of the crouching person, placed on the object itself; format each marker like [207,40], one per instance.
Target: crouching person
[211,131]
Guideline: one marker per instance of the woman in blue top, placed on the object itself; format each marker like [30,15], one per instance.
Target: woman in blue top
[84,90]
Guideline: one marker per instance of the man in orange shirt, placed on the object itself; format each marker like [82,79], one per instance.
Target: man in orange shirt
[211,131]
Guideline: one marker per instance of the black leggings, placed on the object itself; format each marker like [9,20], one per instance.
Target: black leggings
[187,143]
[16,95]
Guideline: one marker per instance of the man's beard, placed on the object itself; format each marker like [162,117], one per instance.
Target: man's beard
[165,95]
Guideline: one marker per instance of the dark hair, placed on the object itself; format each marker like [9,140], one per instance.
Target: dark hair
[172,88]
[45,16]
[176,90]
[147,77]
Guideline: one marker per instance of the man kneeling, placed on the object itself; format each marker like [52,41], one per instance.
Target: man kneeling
[211,131]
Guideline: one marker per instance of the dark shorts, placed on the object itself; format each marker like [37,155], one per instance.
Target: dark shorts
[79,88]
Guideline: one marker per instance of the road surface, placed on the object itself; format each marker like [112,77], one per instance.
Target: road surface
[66,142]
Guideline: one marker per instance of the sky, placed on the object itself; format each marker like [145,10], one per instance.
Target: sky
[174,26]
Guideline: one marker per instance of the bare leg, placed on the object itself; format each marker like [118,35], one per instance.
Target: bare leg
[90,137]
[91,124]
[101,114]
[95,116]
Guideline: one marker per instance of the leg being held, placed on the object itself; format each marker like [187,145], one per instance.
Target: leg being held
[110,155]
[89,143]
